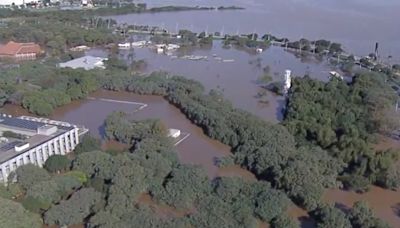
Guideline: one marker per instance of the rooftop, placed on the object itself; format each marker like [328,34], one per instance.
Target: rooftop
[85,62]
[34,134]
[12,48]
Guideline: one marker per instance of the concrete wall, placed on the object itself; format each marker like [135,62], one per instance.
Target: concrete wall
[38,155]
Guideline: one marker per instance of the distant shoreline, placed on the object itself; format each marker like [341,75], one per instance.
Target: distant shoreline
[135,9]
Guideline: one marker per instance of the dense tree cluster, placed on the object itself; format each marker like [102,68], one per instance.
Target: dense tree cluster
[359,216]
[343,119]
[268,150]
[111,194]
[119,126]
[318,46]
[119,181]
[41,88]
[58,30]
[249,41]
[12,214]
[42,189]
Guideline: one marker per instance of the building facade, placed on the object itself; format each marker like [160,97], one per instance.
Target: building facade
[29,140]
[20,51]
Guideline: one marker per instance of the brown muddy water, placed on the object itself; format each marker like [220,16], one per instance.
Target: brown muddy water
[197,149]
[164,211]
[384,203]
[238,80]
[200,150]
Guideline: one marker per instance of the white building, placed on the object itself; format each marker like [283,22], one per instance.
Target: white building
[32,140]
[16,2]
[85,62]
[12,2]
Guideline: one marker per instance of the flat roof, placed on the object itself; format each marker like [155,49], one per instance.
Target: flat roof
[20,123]
[85,62]
[7,147]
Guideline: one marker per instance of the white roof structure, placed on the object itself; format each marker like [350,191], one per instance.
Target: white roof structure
[16,2]
[174,133]
[85,62]
[10,2]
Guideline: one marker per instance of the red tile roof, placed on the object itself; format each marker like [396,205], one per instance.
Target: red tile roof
[12,48]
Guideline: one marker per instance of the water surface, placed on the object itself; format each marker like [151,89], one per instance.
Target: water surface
[357,24]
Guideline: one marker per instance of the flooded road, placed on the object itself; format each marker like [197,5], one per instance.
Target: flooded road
[357,24]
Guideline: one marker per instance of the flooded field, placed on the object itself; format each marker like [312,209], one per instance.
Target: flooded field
[201,150]
[357,24]
[196,149]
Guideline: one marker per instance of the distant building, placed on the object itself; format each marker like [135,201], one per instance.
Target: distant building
[85,62]
[20,51]
[80,48]
[87,3]
[30,140]
[12,2]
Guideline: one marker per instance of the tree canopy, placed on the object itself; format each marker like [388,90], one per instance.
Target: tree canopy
[344,119]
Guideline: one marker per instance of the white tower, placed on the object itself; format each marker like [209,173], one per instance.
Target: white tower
[288,81]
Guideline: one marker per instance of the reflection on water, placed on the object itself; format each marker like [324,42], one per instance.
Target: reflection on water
[357,24]
[201,150]
[196,149]
[237,80]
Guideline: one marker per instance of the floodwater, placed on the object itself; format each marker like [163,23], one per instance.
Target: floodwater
[197,149]
[384,203]
[238,80]
[164,211]
[200,150]
[357,24]
[236,171]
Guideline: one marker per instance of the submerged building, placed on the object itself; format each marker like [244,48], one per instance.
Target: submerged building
[30,140]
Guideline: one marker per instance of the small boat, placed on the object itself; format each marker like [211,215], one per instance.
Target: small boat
[228,60]
[336,75]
